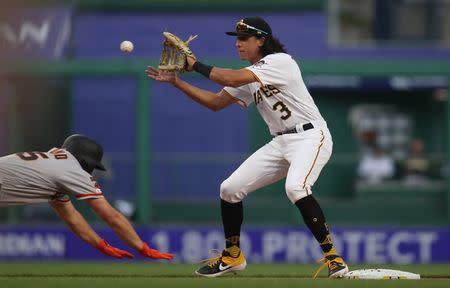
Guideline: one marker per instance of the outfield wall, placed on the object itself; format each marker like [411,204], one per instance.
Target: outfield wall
[260,245]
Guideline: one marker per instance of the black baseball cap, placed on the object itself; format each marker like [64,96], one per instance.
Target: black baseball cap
[251,26]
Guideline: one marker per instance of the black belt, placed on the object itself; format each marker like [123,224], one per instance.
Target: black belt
[305,127]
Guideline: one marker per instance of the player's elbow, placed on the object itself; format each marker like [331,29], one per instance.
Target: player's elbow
[220,101]
[216,104]
[215,108]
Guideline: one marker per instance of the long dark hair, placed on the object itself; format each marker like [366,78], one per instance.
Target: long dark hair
[272,45]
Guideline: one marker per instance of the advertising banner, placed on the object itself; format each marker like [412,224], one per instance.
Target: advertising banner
[29,33]
[260,245]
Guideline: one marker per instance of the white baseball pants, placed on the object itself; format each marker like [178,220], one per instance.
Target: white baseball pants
[298,157]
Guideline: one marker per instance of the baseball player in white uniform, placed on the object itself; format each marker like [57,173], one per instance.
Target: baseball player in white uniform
[300,147]
[54,176]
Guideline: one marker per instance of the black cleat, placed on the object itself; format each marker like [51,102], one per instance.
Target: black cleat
[221,264]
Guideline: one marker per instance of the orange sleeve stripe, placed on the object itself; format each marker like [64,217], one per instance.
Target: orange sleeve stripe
[89,195]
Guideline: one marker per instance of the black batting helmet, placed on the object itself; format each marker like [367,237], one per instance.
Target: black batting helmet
[88,152]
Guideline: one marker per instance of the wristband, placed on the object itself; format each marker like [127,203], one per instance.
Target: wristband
[203,69]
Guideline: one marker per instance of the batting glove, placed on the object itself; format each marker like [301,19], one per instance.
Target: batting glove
[154,254]
[113,251]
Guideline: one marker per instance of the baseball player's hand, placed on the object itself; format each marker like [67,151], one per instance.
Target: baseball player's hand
[113,251]
[161,75]
[155,254]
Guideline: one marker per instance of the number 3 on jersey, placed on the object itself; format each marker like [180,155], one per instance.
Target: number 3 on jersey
[285,112]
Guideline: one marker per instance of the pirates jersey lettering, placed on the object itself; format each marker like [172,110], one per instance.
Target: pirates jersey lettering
[280,95]
[267,91]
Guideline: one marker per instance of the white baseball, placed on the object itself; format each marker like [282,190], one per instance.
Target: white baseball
[126,46]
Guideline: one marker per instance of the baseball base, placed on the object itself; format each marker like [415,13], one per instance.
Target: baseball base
[381,274]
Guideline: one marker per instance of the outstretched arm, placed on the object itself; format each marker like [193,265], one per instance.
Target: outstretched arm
[76,222]
[211,100]
[225,77]
[116,221]
[123,228]
[232,78]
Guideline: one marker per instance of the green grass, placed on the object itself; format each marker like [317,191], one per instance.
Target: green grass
[150,274]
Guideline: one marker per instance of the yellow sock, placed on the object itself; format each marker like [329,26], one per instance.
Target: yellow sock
[327,247]
[234,251]
[330,253]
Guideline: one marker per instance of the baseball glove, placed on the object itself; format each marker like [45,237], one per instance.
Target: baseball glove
[175,53]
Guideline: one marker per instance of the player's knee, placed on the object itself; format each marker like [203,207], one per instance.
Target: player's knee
[231,192]
[296,191]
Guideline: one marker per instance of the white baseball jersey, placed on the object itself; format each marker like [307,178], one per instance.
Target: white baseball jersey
[34,177]
[280,96]
[283,101]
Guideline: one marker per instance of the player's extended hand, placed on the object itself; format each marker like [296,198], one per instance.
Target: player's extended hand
[160,75]
[113,251]
[155,254]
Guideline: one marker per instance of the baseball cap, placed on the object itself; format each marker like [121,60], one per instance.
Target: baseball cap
[251,26]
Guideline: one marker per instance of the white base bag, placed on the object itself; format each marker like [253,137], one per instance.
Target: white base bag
[380,274]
